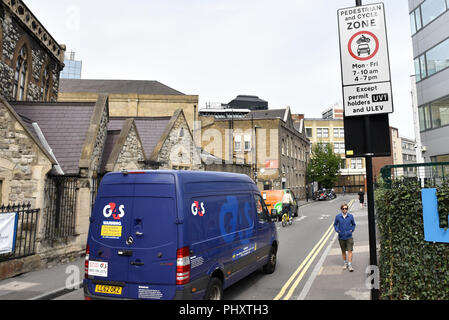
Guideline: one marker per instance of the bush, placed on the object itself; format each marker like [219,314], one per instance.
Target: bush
[410,267]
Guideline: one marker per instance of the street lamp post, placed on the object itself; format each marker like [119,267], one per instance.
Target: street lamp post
[255,153]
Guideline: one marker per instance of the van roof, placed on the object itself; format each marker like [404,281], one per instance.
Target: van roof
[201,181]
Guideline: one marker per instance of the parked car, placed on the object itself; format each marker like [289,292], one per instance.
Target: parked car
[176,235]
[273,199]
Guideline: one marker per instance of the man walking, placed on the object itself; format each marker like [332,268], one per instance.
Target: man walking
[344,225]
[361,198]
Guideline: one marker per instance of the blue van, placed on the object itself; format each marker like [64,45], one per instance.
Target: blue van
[176,235]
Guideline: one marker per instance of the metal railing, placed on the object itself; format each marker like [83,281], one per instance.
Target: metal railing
[25,237]
[60,209]
[430,174]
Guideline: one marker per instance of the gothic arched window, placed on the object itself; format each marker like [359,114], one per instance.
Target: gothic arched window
[20,75]
[46,84]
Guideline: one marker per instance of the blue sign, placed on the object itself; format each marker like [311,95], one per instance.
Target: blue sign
[432,230]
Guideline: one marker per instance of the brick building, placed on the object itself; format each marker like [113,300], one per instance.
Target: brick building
[267,140]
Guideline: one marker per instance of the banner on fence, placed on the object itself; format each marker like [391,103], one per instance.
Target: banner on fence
[8,230]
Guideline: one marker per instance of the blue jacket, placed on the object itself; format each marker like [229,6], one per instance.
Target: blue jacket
[344,226]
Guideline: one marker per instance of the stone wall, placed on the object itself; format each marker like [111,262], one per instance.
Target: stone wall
[90,163]
[23,165]
[92,152]
[132,155]
[100,139]
[14,35]
[178,151]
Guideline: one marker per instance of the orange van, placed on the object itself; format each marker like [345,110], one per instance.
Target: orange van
[273,200]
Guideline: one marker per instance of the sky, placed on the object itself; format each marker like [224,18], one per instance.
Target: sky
[286,52]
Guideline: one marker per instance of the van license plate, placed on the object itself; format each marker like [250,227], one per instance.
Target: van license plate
[99,288]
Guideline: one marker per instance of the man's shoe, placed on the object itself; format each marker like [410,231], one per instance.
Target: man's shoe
[351,269]
[345,266]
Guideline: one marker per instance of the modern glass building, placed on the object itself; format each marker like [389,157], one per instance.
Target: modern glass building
[72,69]
[430,36]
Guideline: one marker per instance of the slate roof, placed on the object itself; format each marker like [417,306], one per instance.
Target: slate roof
[116,86]
[150,129]
[248,98]
[267,114]
[64,126]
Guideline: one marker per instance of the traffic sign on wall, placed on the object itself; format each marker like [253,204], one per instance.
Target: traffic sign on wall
[365,61]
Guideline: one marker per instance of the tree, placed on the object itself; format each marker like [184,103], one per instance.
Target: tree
[324,165]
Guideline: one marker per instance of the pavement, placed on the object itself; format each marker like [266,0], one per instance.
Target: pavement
[328,281]
[44,284]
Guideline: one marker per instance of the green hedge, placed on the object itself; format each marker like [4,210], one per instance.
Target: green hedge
[410,268]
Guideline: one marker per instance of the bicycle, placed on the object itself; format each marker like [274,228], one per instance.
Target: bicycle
[286,218]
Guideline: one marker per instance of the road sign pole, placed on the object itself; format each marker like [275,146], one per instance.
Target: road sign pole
[370,200]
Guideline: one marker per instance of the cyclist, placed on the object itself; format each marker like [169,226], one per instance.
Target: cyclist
[287,202]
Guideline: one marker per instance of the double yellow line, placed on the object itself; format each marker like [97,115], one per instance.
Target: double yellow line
[305,265]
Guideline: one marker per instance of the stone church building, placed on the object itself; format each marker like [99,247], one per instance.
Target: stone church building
[53,153]
[31,59]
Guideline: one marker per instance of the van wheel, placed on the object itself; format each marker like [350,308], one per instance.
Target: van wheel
[214,290]
[271,265]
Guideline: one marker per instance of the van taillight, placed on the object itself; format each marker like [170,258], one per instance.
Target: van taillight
[86,262]
[183,265]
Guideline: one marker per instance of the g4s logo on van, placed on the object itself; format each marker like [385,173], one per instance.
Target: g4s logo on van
[197,210]
[112,210]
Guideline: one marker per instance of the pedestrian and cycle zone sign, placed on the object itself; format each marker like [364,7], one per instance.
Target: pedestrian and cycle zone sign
[364,60]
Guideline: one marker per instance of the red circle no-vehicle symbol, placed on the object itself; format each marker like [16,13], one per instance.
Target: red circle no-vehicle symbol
[363,45]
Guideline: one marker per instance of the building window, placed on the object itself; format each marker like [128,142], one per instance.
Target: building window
[46,84]
[339,148]
[339,132]
[440,113]
[424,118]
[20,75]
[237,143]
[247,143]
[309,132]
[432,61]
[356,163]
[322,132]
[437,58]
[434,115]
[413,22]
[428,11]
[431,9]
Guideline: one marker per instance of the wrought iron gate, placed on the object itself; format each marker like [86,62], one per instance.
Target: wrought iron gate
[60,210]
